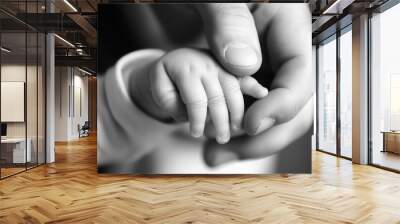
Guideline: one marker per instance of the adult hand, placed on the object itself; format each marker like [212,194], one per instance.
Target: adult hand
[232,36]
[275,120]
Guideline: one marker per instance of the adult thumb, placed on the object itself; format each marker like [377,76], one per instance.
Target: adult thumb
[232,36]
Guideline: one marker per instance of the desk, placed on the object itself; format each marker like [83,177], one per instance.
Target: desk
[391,141]
[15,148]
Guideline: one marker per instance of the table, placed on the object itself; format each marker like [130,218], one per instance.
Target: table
[391,141]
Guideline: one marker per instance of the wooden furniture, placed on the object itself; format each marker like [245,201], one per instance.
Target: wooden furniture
[391,141]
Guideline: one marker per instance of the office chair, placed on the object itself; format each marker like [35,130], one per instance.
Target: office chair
[84,130]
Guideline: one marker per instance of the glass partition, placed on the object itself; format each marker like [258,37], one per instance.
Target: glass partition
[32,96]
[346,92]
[15,149]
[327,95]
[22,63]
[32,100]
[385,89]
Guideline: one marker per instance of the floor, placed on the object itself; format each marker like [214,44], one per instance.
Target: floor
[13,170]
[71,191]
[388,159]
[10,171]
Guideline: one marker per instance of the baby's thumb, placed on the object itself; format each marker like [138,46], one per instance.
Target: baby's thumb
[250,86]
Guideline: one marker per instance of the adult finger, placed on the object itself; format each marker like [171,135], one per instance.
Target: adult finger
[265,144]
[290,59]
[250,86]
[232,36]
[209,131]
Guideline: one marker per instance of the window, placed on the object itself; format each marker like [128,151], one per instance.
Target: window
[327,96]
[346,92]
[385,88]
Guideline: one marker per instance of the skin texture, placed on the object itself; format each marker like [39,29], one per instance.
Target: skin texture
[188,84]
[271,42]
[284,32]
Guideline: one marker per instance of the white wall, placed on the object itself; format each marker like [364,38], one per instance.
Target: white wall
[62,81]
[79,117]
[69,112]
[34,125]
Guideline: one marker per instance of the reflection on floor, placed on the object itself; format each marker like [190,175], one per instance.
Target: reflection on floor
[71,191]
[346,152]
[387,159]
[9,170]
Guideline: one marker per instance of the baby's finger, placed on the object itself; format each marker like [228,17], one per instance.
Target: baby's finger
[195,98]
[165,94]
[234,99]
[217,108]
[209,131]
[251,87]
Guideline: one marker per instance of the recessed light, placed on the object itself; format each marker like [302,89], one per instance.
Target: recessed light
[70,5]
[5,49]
[64,40]
[84,71]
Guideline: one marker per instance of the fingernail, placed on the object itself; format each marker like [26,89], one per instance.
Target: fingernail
[264,125]
[263,92]
[222,139]
[223,156]
[240,54]
[235,127]
[195,132]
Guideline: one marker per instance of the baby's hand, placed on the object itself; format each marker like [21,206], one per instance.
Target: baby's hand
[185,82]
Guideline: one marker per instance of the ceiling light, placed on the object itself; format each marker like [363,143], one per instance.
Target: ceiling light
[65,41]
[5,49]
[70,5]
[84,71]
[337,7]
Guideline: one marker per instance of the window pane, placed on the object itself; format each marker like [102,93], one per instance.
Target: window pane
[31,97]
[385,85]
[327,96]
[346,94]
[15,150]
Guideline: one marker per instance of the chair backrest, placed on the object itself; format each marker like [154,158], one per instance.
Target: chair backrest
[86,124]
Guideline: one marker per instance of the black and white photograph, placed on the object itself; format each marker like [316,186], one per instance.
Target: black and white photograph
[205,88]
